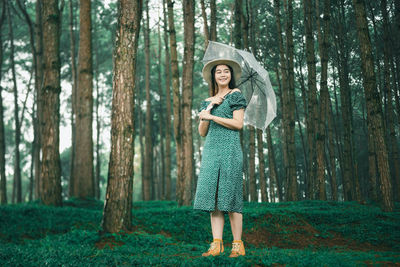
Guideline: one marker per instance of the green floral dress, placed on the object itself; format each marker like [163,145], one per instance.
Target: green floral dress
[220,183]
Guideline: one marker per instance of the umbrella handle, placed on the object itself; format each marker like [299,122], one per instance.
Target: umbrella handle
[209,107]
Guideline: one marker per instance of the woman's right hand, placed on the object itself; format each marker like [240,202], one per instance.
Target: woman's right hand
[217,100]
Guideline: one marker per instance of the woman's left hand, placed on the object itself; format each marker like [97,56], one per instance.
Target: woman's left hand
[205,115]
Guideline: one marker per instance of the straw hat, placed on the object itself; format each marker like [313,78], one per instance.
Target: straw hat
[237,70]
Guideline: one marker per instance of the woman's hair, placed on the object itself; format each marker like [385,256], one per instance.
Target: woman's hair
[214,86]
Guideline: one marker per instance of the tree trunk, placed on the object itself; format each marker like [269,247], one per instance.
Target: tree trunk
[161,119]
[261,165]
[71,185]
[213,21]
[176,94]
[17,135]
[252,165]
[117,213]
[38,87]
[238,24]
[312,97]
[374,112]
[331,150]
[272,167]
[99,99]
[148,156]
[205,24]
[83,158]
[393,147]
[50,172]
[168,111]
[342,54]
[185,186]
[3,178]
[324,95]
[34,68]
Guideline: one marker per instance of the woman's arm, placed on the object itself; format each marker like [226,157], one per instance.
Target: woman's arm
[203,127]
[236,123]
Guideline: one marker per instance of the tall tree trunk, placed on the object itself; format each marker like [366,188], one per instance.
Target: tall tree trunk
[148,156]
[237,38]
[168,110]
[3,178]
[272,166]
[287,67]
[117,214]
[71,185]
[185,185]
[38,88]
[205,24]
[161,119]
[50,171]
[393,147]
[342,54]
[292,185]
[279,180]
[213,20]
[261,165]
[374,111]
[99,99]
[35,70]
[312,97]
[176,93]
[324,95]
[17,135]
[83,158]
[331,150]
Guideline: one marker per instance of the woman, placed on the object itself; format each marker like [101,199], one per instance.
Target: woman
[220,184]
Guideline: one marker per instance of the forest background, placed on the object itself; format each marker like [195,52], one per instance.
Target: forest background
[334,66]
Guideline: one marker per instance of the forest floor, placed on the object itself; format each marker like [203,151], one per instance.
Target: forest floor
[304,233]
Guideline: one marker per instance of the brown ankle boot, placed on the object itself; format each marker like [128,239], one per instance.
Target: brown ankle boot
[237,249]
[216,248]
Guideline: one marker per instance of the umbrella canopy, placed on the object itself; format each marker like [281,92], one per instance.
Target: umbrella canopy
[254,84]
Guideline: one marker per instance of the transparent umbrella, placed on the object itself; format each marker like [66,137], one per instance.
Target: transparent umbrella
[254,84]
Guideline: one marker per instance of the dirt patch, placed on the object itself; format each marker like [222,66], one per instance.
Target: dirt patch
[108,241]
[301,234]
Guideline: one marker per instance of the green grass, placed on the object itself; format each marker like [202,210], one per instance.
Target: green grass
[304,233]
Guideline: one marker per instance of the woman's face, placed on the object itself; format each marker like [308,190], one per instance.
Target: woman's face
[222,75]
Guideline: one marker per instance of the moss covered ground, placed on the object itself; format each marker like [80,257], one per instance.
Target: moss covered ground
[304,233]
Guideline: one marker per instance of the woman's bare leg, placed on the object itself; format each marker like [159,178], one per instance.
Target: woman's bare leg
[217,224]
[236,220]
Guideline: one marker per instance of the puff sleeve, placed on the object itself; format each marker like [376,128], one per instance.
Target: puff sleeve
[203,105]
[237,101]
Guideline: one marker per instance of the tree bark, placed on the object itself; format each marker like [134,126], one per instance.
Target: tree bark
[148,156]
[71,185]
[50,172]
[205,24]
[342,54]
[3,177]
[213,20]
[176,94]
[324,95]
[35,69]
[38,87]
[272,167]
[117,213]
[17,135]
[312,97]
[185,185]
[168,110]
[161,118]
[261,165]
[99,99]
[393,147]
[374,112]
[83,158]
